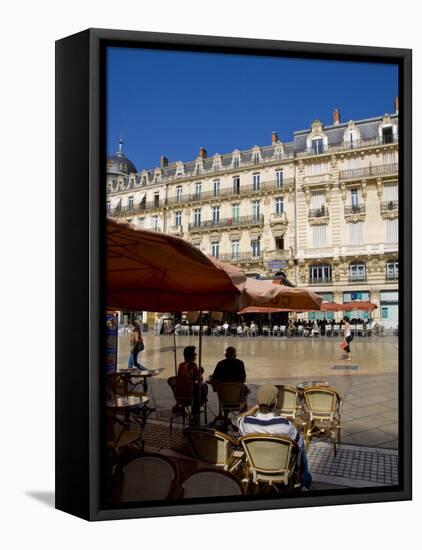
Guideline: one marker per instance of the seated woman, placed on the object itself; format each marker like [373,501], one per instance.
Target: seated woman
[189,369]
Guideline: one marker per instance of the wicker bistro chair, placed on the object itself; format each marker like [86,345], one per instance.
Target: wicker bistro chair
[271,460]
[210,483]
[232,397]
[120,385]
[120,435]
[287,402]
[323,414]
[183,389]
[149,477]
[215,448]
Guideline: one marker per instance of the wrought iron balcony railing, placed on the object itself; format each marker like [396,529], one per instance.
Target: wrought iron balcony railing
[226,223]
[354,209]
[389,205]
[368,171]
[320,280]
[321,212]
[357,278]
[241,257]
[337,147]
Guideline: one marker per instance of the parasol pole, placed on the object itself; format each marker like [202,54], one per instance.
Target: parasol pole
[199,366]
[174,343]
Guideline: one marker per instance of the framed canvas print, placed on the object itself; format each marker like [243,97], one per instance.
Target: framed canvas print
[233,329]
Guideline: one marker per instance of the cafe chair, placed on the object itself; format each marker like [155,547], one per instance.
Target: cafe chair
[286,402]
[328,330]
[282,330]
[183,389]
[322,407]
[210,483]
[232,398]
[271,461]
[121,436]
[149,477]
[121,385]
[214,448]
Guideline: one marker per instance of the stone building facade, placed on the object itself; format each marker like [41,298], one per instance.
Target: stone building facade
[323,208]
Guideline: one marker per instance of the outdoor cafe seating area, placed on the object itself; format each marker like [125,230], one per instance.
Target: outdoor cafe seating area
[215,461]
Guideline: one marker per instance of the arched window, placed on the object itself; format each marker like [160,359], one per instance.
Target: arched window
[357,272]
[320,274]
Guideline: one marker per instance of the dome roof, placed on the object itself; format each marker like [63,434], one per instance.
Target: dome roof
[119,164]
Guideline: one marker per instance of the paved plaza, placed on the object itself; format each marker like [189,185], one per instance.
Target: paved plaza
[368,455]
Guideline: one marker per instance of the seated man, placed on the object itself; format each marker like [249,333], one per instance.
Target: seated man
[229,369]
[260,419]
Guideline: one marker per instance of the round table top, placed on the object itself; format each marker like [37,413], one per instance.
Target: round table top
[139,373]
[127,402]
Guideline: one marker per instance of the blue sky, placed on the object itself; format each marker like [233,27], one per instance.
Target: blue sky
[172,103]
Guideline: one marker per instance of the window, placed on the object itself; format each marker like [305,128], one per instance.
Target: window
[317,145]
[320,274]
[279,243]
[255,158]
[215,214]
[235,212]
[108,207]
[130,203]
[198,191]
[391,192]
[356,233]
[318,207]
[256,181]
[235,250]
[156,199]
[143,203]
[179,191]
[279,205]
[279,178]
[353,163]
[215,249]
[357,272]
[256,210]
[154,222]
[387,134]
[256,247]
[216,186]
[392,231]
[319,236]
[197,217]
[392,271]
[354,198]
[236,185]
[236,162]
[141,222]
[178,219]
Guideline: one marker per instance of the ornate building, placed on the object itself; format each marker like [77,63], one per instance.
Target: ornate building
[324,207]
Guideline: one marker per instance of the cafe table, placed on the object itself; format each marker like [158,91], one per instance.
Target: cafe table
[126,404]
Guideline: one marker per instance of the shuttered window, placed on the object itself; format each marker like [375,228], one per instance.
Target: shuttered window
[356,233]
[392,231]
[319,236]
[391,192]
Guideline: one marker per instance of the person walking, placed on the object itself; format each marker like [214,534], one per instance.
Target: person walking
[348,337]
[136,345]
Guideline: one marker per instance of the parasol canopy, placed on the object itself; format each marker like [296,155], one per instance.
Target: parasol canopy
[358,305]
[259,294]
[331,306]
[152,271]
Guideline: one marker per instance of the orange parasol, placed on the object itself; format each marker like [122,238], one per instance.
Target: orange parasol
[358,305]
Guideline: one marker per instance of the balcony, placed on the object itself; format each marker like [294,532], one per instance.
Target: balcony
[357,278]
[278,217]
[226,223]
[320,281]
[391,277]
[349,145]
[124,211]
[242,257]
[369,171]
[354,209]
[221,194]
[318,215]
[316,180]
[176,230]
[388,206]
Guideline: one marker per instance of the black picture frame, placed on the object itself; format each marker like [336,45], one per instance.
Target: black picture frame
[80,219]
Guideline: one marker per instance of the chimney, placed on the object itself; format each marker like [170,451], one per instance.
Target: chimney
[396,104]
[336,116]
[274,138]
[164,161]
[202,153]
